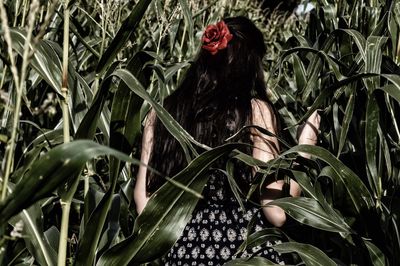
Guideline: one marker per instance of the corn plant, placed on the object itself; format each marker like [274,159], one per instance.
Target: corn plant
[77,80]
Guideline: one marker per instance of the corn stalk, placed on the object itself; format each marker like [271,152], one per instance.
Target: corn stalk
[65,202]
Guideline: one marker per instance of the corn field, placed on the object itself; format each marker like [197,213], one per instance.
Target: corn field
[78,78]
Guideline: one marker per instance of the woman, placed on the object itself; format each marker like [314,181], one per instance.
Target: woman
[223,91]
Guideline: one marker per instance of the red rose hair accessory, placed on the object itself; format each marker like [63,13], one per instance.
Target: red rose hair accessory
[216,37]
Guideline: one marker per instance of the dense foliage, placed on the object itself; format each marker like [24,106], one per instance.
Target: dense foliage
[81,76]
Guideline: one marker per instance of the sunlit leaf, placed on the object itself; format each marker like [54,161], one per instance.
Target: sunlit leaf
[376,255]
[254,261]
[310,212]
[309,254]
[51,171]
[357,191]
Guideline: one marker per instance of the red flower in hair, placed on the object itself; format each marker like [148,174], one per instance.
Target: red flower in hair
[216,37]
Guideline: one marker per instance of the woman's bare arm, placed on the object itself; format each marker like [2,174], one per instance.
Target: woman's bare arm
[309,131]
[265,149]
[140,193]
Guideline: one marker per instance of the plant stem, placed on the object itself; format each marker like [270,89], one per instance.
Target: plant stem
[3,76]
[181,54]
[19,82]
[62,247]
[16,13]
[25,5]
[64,88]
[11,143]
[65,204]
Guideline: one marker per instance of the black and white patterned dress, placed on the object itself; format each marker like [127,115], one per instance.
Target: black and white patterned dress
[217,228]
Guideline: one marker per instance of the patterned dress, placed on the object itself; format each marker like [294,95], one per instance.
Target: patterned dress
[217,228]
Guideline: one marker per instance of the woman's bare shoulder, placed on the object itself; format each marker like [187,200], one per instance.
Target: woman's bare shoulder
[263,114]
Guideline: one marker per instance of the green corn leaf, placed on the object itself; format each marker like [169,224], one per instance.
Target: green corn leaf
[125,112]
[348,115]
[233,184]
[35,239]
[52,170]
[393,30]
[355,188]
[264,236]
[89,240]
[310,255]
[188,22]
[314,69]
[306,186]
[392,89]
[254,261]
[111,228]
[45,60]
[359,40]
[386,152]
[310,212]
[373,60]
[87,128]
[299,72]
[371,138]
[376,255]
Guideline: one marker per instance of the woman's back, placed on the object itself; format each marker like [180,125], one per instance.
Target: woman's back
[223,91]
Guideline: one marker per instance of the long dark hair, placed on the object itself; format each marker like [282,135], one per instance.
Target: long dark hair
[214,100]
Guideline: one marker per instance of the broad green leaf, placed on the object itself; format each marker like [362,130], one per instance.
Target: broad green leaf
[310,212]
[88,242]
[300,72]
[374,60]
[314,68]
[394,89]
[359,39]
[306,186]
[310,255]
[53,237]
[264,236]
[376,255]
[330,15]
[246,129]
[188,22]
[254,261]
[165,216]
[87,127]
[229,173]
[386,152]
[393,27]
[371,138]
[355,188]
[45,60]
[112,228]
[35,241]
[171,71]
[348,115]
[122,36]
[125,112]
[52,170]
